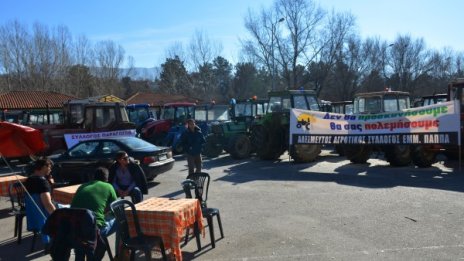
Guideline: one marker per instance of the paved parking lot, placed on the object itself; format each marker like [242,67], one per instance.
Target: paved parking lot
[326,210]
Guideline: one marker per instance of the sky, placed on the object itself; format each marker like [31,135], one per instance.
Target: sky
[146,28]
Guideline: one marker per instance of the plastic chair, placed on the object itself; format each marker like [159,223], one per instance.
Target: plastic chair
[35,218]
[139,241]
[200,186]
[18,207]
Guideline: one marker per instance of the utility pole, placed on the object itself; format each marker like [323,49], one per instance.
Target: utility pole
[273,29]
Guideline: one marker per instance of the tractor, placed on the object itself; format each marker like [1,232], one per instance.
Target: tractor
[234,136]
[270,134]
[380,102]
[83,116]
[172,120]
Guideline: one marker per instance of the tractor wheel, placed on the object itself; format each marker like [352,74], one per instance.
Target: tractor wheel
[239,146]
[398,155]
[423,157]
[267,147]
[339,150]
[304,153]
[358,154]
[255,138]
[178,148]
[212,147]
[452,154]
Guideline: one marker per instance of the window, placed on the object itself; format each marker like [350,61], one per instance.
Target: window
[300,102]
[84,149]
[390,103]
[104,117]
[286,104]
[274,104]
[109,147]
[168,113]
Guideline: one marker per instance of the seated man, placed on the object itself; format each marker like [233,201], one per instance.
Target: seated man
[97,195]
[128,178]
[39,205]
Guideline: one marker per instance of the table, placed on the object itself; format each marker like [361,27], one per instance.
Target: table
[167,218]
[64,195]
[6,181]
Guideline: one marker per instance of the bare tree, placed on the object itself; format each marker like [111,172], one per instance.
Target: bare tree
[109,58]
[203,50]
[14,51]
[176,49]
[409,60]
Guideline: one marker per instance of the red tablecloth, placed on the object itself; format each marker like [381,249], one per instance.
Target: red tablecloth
[168,218]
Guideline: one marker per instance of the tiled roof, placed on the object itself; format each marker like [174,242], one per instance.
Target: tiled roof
[32,99]
[157,99]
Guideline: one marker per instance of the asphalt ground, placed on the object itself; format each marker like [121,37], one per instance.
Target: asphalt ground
[326,210]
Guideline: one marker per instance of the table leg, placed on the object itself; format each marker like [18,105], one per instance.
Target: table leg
[196,231]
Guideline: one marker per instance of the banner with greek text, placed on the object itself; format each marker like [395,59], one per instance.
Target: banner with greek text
[434,124]
[74,138]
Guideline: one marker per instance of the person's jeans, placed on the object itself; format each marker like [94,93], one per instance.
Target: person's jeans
[194,163]
[136,195]
[109,228]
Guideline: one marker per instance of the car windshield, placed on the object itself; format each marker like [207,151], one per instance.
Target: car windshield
[136,143]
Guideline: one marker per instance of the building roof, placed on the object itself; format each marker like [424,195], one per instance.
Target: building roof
[157,99]
[32,99]
[103,98]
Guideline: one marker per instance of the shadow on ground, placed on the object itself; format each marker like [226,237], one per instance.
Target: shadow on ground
[369,175]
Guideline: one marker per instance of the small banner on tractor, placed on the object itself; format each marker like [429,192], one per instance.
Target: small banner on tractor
[73,139]
[434,124]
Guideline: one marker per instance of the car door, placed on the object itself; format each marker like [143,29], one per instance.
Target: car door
[80,162]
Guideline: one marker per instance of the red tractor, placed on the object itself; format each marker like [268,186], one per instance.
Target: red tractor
[82,116]
[172,115]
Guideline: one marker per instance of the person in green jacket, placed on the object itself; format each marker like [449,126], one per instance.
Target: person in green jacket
[97,195]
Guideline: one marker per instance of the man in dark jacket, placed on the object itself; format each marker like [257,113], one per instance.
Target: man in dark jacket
[192,141]
[128,178]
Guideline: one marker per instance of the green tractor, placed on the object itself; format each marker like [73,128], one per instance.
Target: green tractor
[270,134]
[234,136]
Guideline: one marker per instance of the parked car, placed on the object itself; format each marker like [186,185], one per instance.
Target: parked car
[75,165]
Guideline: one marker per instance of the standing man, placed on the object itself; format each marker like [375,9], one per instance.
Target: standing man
[128,178]
[97,195]
[192,141]
[39,205]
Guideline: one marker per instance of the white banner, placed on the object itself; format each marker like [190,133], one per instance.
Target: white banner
[434,124]
[74,138]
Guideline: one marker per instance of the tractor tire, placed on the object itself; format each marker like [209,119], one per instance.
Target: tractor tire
[358,154]
[178,148]
[239,146]
[255,138]
[213,147]
[398,155]
[422,157]
[339,150]
[304,153]
[451,154]
[268,146]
